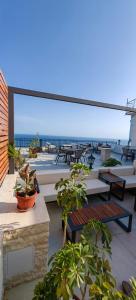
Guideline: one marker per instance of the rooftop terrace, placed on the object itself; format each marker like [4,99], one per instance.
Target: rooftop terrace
[27,239]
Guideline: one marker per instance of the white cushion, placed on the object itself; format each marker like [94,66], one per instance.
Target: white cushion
[122,171]
[48,191]
[51,176]
[93,186]
[93,174]
[130,181]
[104,169]
[96,186]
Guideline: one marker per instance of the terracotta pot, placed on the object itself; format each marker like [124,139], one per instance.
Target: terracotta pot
[25,203]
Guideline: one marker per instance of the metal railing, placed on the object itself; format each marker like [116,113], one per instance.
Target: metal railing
[21,142]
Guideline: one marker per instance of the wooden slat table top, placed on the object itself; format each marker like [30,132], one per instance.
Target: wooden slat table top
[102,212]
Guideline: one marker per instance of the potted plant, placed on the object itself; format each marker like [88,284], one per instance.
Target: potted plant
[35,146]
[111,162]
[82,266]
[26,189]
[72,192]
[32,153]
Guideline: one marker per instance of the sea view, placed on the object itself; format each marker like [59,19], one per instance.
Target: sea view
[24,140]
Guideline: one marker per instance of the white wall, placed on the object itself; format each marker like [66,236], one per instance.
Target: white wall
[132,133]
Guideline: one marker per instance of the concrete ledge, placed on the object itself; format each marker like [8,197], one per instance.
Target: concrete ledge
[25,237]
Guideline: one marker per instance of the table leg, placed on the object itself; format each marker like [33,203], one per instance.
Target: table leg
[73,236]
[125,227]
[135,203]
[122,189]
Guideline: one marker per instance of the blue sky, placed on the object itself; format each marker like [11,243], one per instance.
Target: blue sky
[72,47]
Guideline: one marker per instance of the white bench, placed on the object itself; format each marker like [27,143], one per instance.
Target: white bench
[48,191]
[126,173]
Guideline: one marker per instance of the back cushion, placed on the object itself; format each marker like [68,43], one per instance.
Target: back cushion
[55,175]
[104,169]
[51,176]
[122,171]
[93,174]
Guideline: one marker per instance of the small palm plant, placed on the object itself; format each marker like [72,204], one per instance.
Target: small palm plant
[16,155]
[72,192]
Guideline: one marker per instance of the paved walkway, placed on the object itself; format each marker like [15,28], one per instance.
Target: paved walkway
[46,161]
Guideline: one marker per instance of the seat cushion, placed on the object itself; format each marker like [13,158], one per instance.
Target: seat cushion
[130,181]
[93,186]
[96,186]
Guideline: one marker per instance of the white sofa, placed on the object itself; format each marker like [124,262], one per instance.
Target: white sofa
[126,173]
[48,179]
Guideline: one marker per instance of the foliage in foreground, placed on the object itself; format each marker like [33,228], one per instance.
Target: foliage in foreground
[72,192]
[111,162]
[82,265]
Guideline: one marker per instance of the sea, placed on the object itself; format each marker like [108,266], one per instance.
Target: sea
[24,140]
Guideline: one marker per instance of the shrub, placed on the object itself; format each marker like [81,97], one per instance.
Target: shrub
[31,154]
[111,162]
[19,160]
[82,265]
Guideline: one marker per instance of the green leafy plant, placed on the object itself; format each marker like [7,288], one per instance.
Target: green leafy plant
[26,187]
[35,142]
[111,162]
[83,266]
[16,155]
[31,154]
[34,146]
[133,285]
[72,192]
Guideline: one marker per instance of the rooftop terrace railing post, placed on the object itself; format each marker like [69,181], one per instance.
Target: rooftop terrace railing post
[11,127]
[40,143]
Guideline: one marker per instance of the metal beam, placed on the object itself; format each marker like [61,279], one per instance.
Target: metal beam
[51,96]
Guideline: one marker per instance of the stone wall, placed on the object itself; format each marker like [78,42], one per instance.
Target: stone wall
[24,237]
[25,254]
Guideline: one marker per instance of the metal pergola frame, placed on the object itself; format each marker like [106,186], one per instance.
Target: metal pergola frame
[49,96]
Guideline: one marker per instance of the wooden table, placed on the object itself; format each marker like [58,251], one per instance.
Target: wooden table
[117,184]
[105,213]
